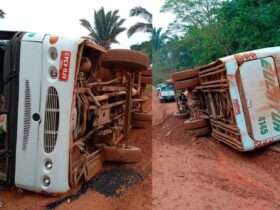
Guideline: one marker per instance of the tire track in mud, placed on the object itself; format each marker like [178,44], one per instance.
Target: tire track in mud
[237,177]
[249,180]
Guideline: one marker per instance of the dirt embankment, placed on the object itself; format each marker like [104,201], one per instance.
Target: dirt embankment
[203,174]
[135,197]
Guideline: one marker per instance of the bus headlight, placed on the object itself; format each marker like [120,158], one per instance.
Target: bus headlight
[46,181]
[53,53]
[53,72]
[48,164]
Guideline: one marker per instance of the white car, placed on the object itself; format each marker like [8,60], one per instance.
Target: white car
[166,92]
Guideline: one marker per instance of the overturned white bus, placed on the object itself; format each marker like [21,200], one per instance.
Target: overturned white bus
[235,99]
[59,119]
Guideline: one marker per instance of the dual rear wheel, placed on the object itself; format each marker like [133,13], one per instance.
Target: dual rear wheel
[198,127]
[185,80]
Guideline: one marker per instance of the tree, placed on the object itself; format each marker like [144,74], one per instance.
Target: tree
[191,12]
[2,13]
[146,26]
[158,38]
[145,47]
[106,27]
[173,55]
[249,24]
[232,26]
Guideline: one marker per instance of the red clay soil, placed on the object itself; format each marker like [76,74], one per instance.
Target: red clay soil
[137,197]
[202,174]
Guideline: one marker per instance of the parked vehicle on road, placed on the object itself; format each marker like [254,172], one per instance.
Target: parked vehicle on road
[235,99]
[166,92]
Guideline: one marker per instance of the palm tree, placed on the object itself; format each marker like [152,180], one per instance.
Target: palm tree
[2,13]
[146,26]
[158,38]
[106,27]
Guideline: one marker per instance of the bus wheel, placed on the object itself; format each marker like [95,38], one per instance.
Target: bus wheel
[142,116]
[125,154]
[184,75]
[186,84]
[201,132]
[196,124]
[128,60]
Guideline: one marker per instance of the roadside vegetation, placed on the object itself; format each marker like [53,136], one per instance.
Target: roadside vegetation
[205,30]
[144,26]
[106,26]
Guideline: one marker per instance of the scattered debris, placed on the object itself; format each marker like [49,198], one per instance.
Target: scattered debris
[168,133]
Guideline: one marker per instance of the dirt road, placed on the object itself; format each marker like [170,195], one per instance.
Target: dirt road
[202,174]
[135,197]
[161,111]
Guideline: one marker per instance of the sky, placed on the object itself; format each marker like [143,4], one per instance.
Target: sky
[62,17]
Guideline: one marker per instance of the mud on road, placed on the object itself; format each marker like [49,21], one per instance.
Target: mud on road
[202,174]
[135,194]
